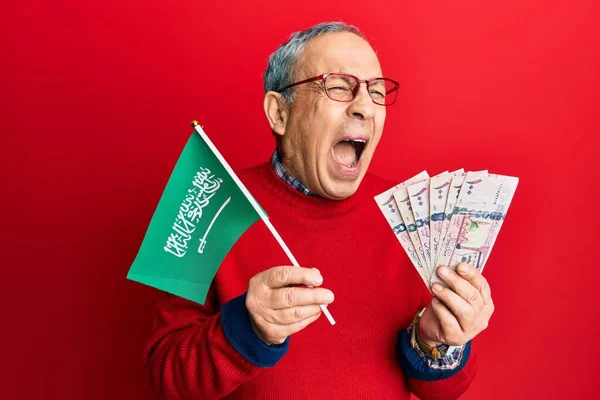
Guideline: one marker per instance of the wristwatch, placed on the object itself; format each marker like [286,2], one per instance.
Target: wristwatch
[416,343]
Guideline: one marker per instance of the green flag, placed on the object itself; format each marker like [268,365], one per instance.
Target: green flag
[201,214]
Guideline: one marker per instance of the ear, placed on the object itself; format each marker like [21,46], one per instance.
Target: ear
[277,112]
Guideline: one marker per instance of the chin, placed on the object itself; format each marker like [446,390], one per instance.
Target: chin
[342,181]
[341,190]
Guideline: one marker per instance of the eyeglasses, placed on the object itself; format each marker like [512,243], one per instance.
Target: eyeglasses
[344,87]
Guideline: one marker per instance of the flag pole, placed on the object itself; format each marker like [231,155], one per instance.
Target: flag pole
[255,205]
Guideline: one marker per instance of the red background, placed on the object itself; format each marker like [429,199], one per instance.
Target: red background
[97,100]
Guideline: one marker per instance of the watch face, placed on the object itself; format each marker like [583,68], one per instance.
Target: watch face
[443,349]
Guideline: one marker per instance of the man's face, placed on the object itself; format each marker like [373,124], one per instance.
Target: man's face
[316,144]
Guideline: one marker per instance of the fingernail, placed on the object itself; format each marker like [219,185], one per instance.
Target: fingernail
[318,279]
[444,271]
[437,287]
[435,300]
[328,297]
[462,268]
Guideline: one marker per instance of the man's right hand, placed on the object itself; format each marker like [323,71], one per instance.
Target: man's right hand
[279,308]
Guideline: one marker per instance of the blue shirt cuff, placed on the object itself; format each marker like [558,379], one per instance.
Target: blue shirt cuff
[417,365]
[238,330]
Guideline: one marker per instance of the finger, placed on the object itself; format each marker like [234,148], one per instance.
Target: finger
[461,286]
[459,307]
[450,327]
[287,330]
[473,276]
[288,316]
[282,276]
[297,296]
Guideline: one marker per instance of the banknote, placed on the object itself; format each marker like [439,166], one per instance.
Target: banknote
[476,219]
[387,205]
[437,204]
[450,218]
[438,194]
[402,200]
[453,193]
[418,195]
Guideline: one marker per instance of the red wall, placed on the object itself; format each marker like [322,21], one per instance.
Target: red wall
[97,100]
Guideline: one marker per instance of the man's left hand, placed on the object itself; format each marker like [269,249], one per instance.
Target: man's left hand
[460,312]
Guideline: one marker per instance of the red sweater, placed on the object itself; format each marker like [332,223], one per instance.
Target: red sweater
[377,292]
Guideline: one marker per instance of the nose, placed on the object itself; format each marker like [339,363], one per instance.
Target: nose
[362,107]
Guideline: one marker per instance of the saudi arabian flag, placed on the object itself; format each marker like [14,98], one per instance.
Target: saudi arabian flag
[201,214]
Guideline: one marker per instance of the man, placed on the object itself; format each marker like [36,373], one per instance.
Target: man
[326,104]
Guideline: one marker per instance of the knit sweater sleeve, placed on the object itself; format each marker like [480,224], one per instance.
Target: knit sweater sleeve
[205,351]
[449,388]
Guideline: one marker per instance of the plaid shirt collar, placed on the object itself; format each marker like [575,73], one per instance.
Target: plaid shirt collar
[286,177]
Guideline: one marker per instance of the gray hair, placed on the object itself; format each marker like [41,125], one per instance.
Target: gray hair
[281,66]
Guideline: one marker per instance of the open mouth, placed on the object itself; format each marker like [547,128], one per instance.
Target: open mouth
[347,152]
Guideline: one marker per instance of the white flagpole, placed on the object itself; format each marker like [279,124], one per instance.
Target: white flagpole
[254,203]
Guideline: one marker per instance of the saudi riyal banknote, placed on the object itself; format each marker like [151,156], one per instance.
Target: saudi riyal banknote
[437,203]
[402,200]
[451,218]
[438,194]
[418,195]
[453,193]
[476,219]
[387,204]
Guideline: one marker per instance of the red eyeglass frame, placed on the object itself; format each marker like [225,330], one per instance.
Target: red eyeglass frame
[354,91]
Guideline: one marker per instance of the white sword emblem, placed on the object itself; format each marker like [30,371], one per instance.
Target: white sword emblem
[203,240]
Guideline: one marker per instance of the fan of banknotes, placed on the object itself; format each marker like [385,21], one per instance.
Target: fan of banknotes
[450,218]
